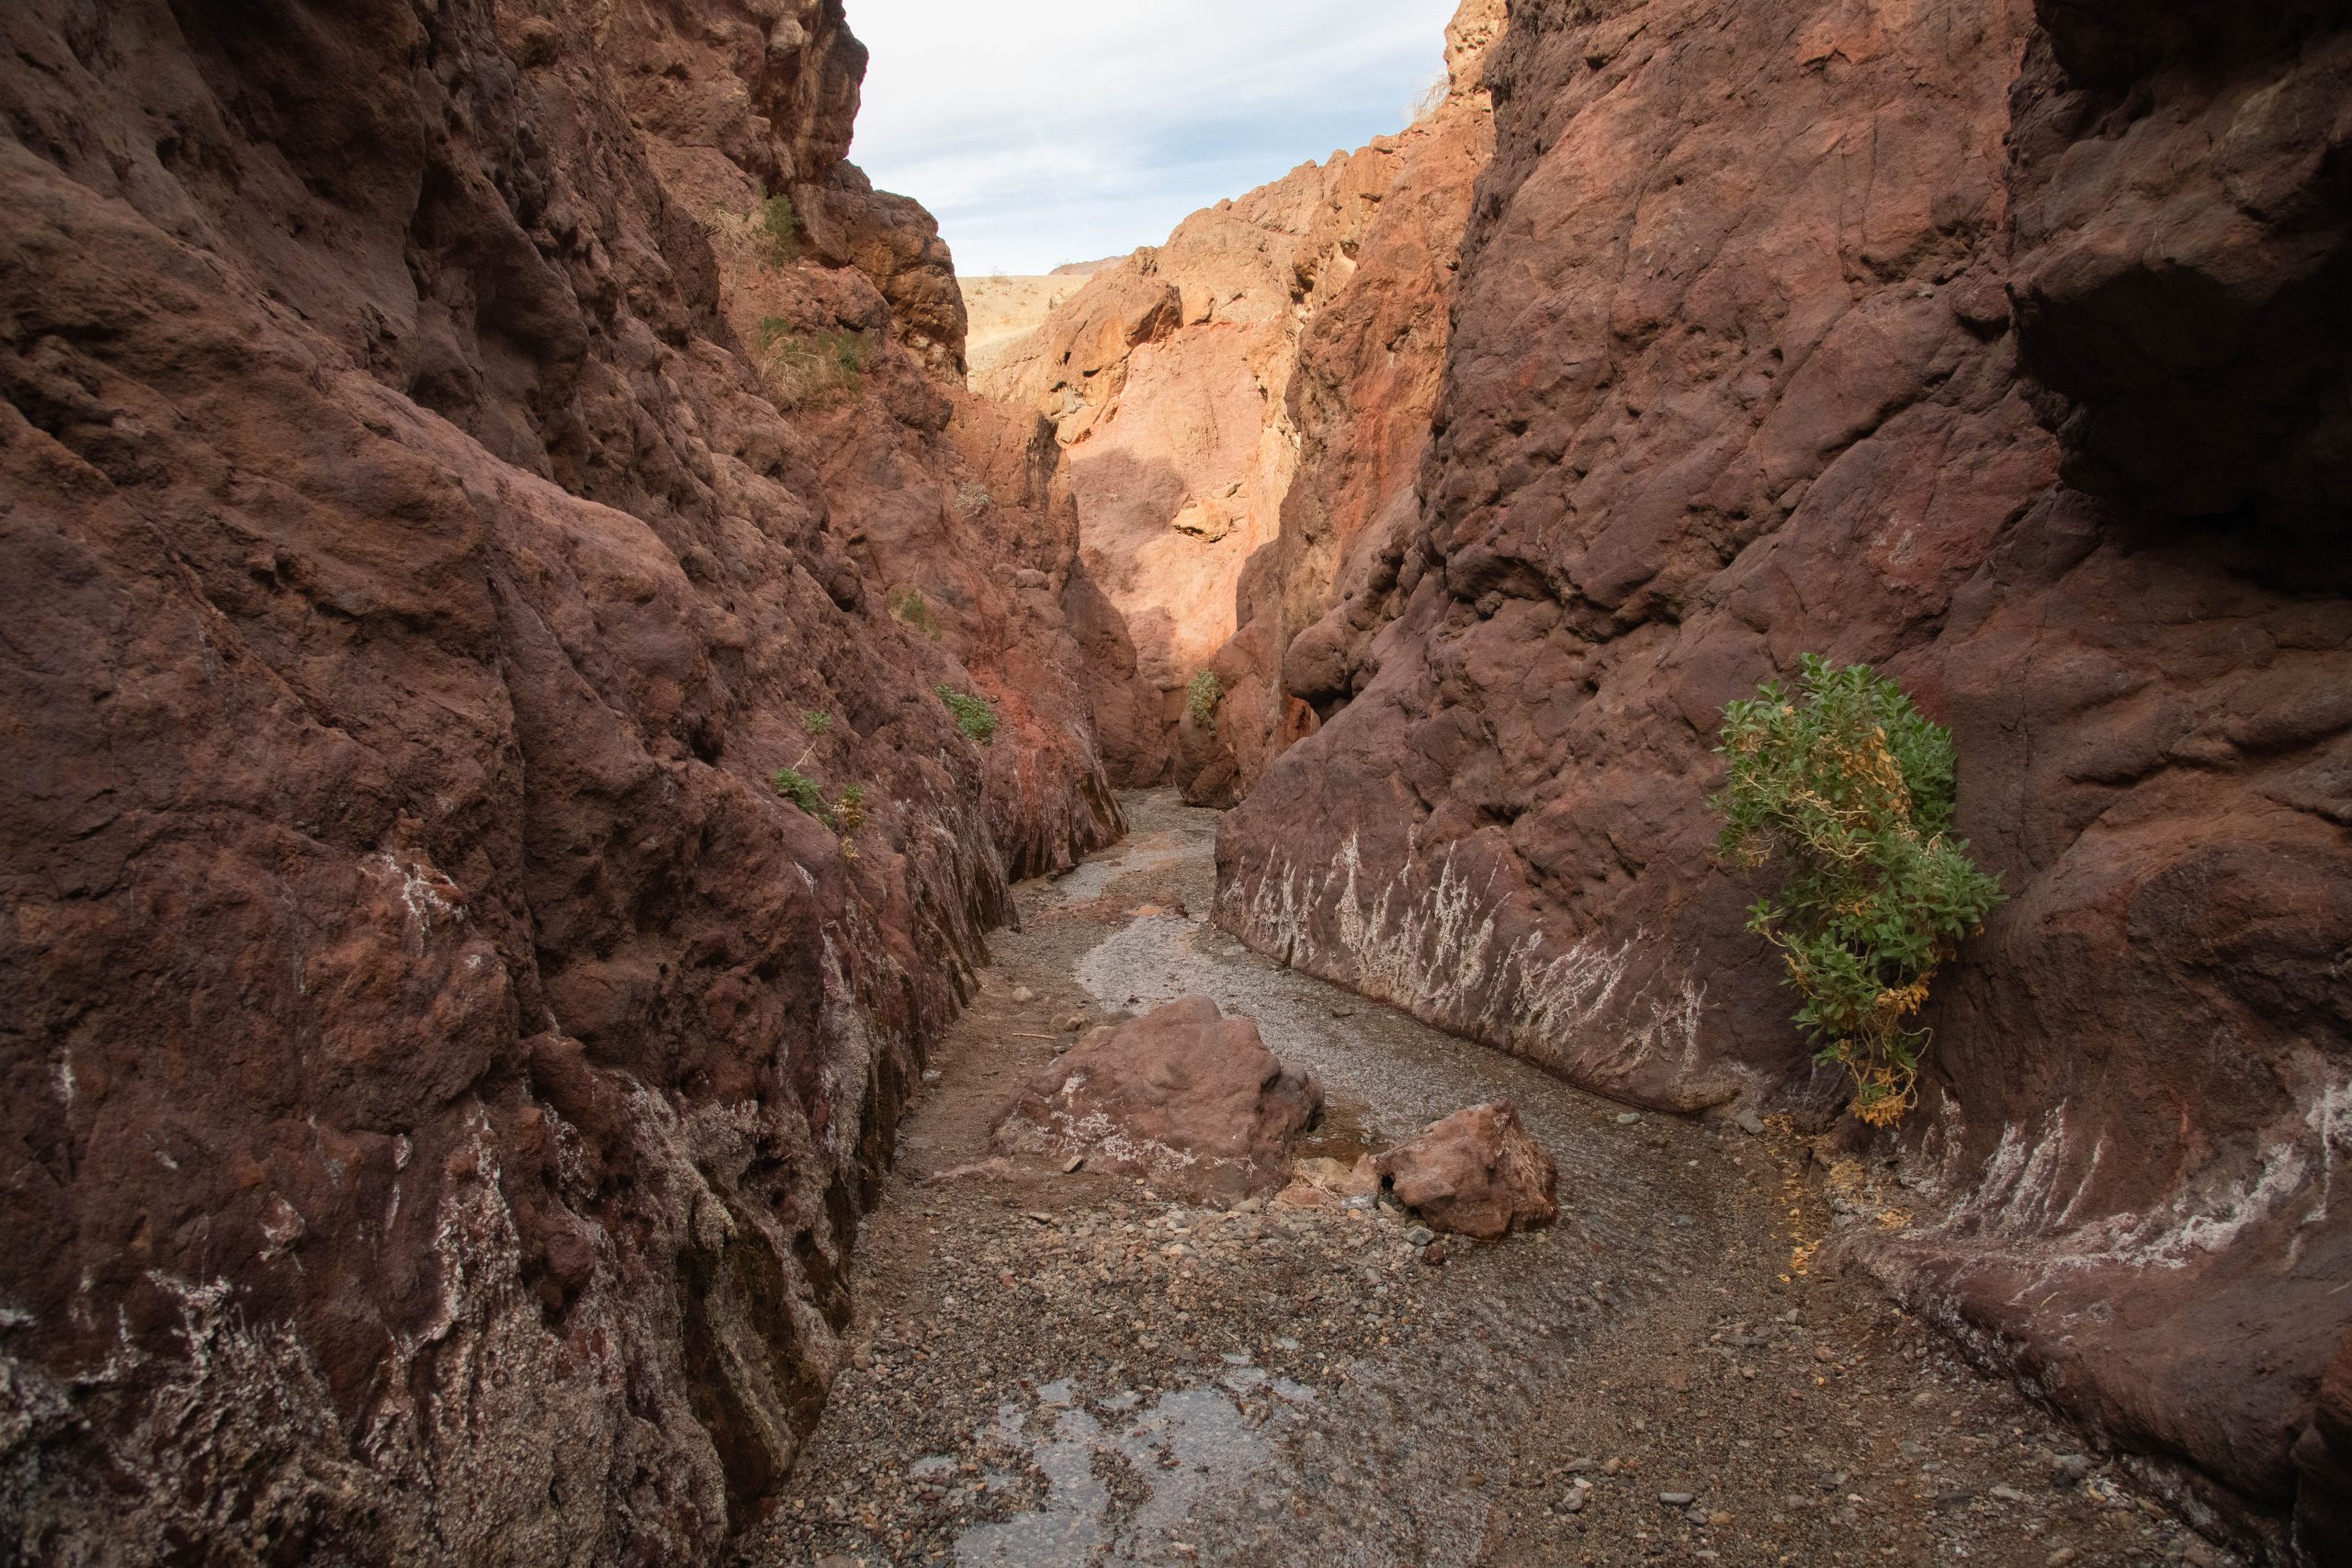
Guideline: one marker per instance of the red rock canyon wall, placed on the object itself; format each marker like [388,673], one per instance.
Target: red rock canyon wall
[442,1074]
[1278,355]
[2003,347]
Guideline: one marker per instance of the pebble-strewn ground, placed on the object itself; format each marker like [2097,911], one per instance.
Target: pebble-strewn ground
[1063,1369]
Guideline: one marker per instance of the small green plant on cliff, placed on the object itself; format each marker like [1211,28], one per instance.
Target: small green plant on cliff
[816,721]
[775,229]
[810,369]
[973,715]
[1848,789]
[1202,695]
[911,609]
[849,811]
[972,498]
[801,790]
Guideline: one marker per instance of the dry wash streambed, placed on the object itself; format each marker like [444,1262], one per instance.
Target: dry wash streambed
[1063,1368]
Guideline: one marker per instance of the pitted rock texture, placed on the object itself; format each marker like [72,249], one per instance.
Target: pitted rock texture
[1478,1173]
[443,1075]
[1294,332]
[1183,1097]
[1883,334]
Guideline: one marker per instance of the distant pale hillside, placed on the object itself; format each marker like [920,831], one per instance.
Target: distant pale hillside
[1005,309]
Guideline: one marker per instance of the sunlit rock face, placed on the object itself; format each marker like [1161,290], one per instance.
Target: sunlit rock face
[1245,407]
[443,1071]
[2000,347]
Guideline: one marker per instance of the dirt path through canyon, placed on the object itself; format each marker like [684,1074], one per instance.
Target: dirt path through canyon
[1062,1368]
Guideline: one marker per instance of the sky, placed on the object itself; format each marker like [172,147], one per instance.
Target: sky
[1040,134]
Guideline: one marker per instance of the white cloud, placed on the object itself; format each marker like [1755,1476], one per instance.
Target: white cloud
[1047,133]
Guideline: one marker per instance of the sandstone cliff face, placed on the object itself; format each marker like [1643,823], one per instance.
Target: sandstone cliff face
[1364,386]
[765,92]
[2001,348]
[1292,334]
[442,1074]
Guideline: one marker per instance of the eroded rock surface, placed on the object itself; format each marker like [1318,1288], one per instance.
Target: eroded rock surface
[1478,1173]
[1364,390]
[1931,337]
[1292,334]
[443,1072]
[1003,309]
[1183,1097]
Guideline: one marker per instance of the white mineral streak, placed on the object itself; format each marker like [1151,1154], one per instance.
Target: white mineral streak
[2034,1202]
[847,1059]
[1435,946]
[418,893]
[1096,1133]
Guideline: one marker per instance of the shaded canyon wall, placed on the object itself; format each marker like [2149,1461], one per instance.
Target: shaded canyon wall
[2004,347]
[1280,355]
[442,1074]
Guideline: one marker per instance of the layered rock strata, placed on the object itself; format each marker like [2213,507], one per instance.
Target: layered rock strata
[443,1072]
[2004,348]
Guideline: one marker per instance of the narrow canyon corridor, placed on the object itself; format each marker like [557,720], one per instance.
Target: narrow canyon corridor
[1053,1368]
[1614,828]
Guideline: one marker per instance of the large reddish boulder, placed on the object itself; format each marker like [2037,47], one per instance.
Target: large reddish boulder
[1478,1173]
[1998,345]
[1184,1097]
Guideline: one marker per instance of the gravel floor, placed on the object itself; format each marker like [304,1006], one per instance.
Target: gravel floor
[1064,1369]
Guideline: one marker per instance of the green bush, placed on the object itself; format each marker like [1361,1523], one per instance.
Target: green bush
[973,715]
[816,721]
[1849,790]
[911,608]
[972,498]
[810,369]
[1202,695]
[775,229]
[802,791]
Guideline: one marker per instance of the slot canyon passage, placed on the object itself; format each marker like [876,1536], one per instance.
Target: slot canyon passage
[680,891]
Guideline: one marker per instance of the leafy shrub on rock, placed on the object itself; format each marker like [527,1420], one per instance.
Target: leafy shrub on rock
[802,791]
[973,715]
[1202,695]
[777,229]
[810,369]
[911,609]
[1849,790]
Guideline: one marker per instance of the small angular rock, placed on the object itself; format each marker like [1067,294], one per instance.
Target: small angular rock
[1477,1173]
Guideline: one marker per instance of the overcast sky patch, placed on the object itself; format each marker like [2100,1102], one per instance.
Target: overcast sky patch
[1042,134]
